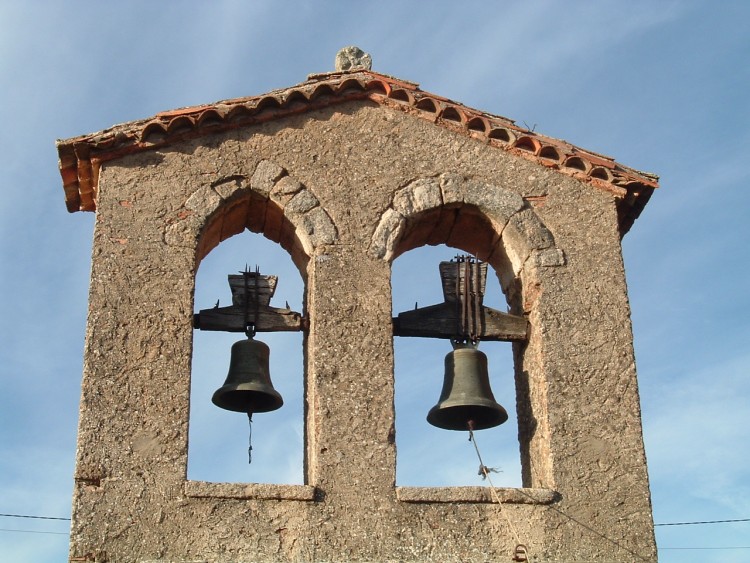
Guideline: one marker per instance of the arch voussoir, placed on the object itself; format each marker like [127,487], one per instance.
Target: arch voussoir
[518,232]
[419,195]
[524,235]
[387,234]
[228,206]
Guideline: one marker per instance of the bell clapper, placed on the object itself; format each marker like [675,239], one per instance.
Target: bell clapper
[250,438]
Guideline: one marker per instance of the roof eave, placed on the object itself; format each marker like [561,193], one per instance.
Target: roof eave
[81,157]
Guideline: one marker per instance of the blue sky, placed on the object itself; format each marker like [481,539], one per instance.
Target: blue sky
[661,86]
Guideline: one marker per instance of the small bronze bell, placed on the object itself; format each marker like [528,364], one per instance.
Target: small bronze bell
[248,387]
[466,400]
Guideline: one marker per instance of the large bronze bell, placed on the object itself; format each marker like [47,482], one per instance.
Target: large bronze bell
[248,387]
[466,400]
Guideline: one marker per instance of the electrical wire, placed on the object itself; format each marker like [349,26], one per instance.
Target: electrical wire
[34,517]
[704,522]
[660,548]
[35,532]
[702,548]
[568,516]
[475,445]
[658,524]
[28,516]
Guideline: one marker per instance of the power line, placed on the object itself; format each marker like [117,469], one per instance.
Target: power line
[702,548]
[66,533]
[35,517]
[485,472]
[659,524]
[34,532]
[660,548]
[704,522]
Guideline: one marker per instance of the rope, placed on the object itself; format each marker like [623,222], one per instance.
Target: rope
[486,472]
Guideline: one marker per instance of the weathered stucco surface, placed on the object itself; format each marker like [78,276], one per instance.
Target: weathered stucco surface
[345,190]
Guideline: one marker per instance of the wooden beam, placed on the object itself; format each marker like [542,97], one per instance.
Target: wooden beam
[251,295]
[232,319]
[441,321]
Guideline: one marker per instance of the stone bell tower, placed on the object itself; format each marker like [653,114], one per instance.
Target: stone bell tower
[346,171]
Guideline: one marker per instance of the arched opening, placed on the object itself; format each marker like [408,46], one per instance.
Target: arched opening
[498,227]
[218,439]
[426,455]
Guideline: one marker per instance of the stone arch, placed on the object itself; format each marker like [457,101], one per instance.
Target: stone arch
[269,201]
[214,433]
[499,227]
[266,201]
[495,224]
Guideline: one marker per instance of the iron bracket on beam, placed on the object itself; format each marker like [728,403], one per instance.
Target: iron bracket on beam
[462,316]
[251,298]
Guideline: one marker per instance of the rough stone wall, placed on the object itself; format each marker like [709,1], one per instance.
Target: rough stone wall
[345,191]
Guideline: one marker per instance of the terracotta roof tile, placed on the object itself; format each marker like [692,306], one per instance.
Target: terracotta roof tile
[81,157]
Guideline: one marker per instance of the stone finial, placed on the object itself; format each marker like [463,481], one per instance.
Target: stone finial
[352,58]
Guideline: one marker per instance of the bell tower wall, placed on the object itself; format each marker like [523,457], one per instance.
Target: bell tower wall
[346,190]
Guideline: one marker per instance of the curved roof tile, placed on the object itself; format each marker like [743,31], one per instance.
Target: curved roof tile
[80,157]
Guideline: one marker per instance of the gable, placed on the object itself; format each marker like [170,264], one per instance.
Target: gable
[80,158]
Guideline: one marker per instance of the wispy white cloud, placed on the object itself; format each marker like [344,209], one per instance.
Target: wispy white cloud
[695,429]
[658,85]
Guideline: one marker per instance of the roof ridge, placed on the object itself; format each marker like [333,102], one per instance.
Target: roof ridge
[81,157]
